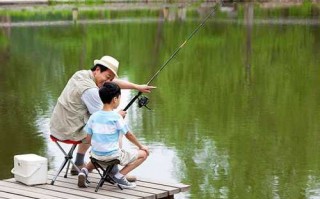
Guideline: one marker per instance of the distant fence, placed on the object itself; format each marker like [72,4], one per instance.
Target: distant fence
[149,1]
[3,2]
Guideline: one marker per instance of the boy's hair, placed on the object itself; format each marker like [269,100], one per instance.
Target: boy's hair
[108,91]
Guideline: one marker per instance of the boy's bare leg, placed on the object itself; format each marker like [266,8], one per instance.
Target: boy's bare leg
[90,166]
[142,156]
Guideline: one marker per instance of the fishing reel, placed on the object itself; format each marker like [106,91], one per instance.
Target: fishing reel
[143,101]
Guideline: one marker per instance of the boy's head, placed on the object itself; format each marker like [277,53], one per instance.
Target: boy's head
[108,92]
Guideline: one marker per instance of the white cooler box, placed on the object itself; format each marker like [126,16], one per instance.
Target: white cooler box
[30,169]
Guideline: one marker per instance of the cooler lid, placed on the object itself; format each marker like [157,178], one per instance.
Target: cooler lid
[30,158]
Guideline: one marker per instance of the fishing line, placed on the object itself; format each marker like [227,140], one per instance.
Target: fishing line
[143,100]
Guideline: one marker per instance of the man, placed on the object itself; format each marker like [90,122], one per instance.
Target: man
[80,98]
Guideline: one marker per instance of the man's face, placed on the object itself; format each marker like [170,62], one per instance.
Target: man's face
[102,77]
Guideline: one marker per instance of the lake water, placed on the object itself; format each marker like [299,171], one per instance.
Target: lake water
[235,114]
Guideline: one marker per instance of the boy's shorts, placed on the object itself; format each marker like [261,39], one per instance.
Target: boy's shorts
[125,157]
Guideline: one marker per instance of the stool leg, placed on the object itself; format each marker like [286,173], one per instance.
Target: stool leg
[67,159]
[60,169]
[99,184]
[69,156]
[103,178]
[106,177]
[97,166]
[67,169]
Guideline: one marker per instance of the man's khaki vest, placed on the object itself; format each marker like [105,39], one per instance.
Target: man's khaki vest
[70,113]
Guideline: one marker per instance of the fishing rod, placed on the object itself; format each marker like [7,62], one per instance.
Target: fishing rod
[143,101]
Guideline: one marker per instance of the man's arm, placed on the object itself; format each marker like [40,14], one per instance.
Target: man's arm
[92,100]
[128,85]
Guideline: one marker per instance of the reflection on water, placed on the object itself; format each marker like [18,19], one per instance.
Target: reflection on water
[313,187]
[217,164]
[235,114]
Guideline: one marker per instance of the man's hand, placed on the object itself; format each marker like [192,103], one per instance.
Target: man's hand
[145,88]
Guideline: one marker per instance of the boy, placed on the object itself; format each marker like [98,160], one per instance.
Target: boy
[103,130]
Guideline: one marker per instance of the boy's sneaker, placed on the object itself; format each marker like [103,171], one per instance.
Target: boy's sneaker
[123,183]
[130,178]
[82,179]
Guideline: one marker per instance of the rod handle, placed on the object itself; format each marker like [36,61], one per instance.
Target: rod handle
[131,102]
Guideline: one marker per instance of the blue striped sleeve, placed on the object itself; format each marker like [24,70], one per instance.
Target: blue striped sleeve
[121,125]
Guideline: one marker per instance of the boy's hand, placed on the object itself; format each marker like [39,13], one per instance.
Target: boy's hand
[123,113]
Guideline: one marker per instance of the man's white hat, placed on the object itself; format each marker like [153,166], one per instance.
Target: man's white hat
[109,62]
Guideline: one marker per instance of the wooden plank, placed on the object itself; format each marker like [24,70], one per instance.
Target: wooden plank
[103,192]
[181,186]
[170,190]
[65,188]
[112,188]
[25,193]
[12,196]
[84,192]
[40,189]
[79,192]
[137,191]
[146,191]
[75,190]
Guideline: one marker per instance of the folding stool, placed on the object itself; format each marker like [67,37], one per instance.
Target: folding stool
[67,156]
[106,168]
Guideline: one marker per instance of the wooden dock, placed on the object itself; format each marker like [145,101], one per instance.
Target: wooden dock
[67,188]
